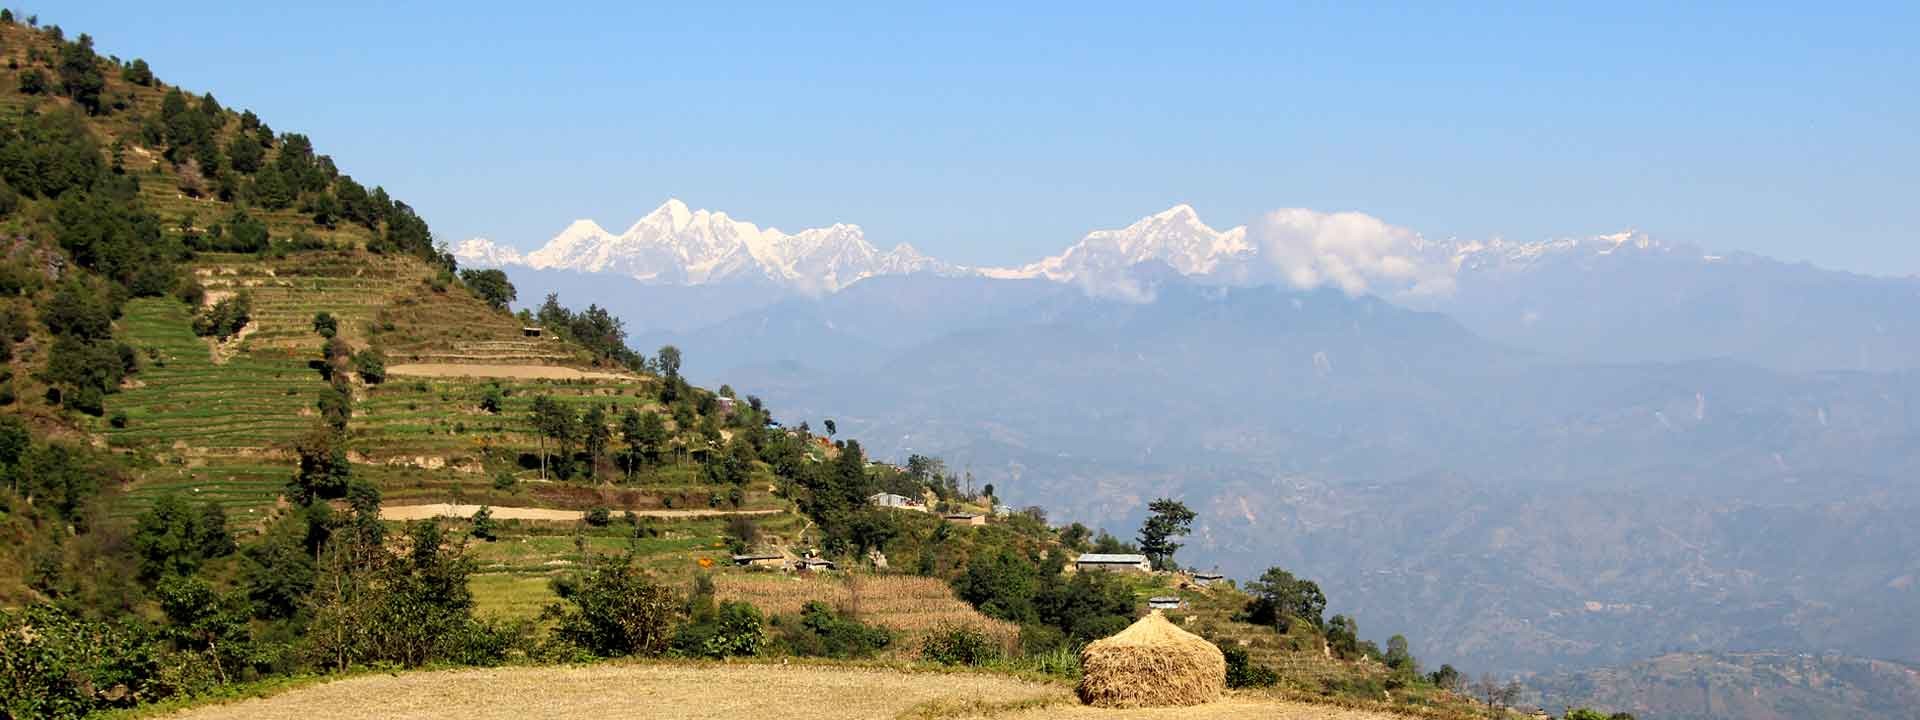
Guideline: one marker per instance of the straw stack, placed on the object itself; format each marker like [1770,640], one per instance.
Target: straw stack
[1151,664]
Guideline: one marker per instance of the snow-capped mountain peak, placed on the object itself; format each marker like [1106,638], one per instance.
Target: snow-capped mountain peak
[675,244]
[1175,236]
[486,253]
[1501,254]
[679,245]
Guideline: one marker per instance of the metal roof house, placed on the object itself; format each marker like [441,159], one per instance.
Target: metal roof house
[1205,579]
[1165,602]
[887,499]
[965,518]
[759,559]
[814,564]
[1113,562]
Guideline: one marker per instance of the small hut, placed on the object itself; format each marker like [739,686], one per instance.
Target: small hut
[1151,664]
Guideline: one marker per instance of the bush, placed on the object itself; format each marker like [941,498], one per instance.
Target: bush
[734,629]
[821,632]
[599,516]
[958,645]
[325,325]
[61,665]
[33,82]
[484,526]
[1242,672]
[118,420]
[225,318]
[372,366]
[616,610]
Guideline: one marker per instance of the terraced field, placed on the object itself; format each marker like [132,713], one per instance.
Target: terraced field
[220,423]
[217,430]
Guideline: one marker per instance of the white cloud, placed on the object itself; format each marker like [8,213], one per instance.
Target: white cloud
[1355,252]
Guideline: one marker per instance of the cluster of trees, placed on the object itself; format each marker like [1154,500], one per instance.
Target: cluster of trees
[213,151]
[491,286]
[585,441]
[1052,608]
[225,317]
[594,329]
[86,363]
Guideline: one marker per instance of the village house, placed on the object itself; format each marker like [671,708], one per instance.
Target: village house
[965,518]
[1207,579]
[726,404]
[1165,602]
[760,559]
[814,564]
[891,500]
[1113,563]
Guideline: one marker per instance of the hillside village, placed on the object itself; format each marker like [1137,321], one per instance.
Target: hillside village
[256,424]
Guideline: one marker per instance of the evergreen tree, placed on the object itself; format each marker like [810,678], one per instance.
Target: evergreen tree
[1170,519]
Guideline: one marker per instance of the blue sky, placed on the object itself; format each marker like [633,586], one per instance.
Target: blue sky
[996,134]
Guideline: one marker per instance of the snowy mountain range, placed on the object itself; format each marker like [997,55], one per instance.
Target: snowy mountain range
[674,245]
[678,246]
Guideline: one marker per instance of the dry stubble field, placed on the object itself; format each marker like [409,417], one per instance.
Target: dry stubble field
[644,691]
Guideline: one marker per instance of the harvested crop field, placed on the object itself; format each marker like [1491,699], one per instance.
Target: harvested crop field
[910,606]
[644,691]
[517,372]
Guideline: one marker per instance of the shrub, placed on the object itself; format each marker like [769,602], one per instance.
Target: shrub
[616,610]
[118,420]
[33,82]
[599,516]
[821,632]
[484,526]
[225,318]
[325,325]
[503,481]
[372,366]
[61,665]
[733,629]
[951,644]
[1242,672]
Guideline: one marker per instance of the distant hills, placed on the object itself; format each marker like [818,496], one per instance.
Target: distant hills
[1756,685]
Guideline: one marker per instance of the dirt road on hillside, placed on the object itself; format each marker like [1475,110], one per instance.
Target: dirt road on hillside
[515,372]
[422,512]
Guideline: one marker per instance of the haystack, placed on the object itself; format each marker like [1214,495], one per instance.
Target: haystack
[1151,664]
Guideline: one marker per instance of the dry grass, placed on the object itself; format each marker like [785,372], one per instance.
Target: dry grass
[696,691]
[911,606]
[1151,664]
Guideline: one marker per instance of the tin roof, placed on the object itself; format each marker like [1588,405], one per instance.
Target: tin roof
[1118,558]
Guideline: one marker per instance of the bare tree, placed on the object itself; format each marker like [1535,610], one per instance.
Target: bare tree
[1510,694]
[1488,689]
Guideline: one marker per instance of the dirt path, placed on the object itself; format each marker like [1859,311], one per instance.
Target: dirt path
[422,512]
[516,372]
[710,691]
